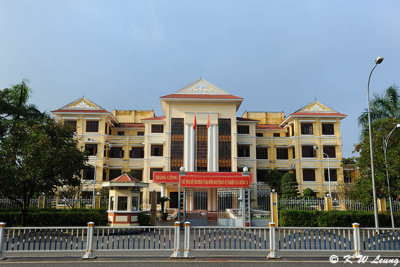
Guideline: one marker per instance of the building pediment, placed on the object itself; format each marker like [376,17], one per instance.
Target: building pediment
[202,87]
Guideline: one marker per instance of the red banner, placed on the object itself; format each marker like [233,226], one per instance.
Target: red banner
[166,177]
[205,179]
[216,182]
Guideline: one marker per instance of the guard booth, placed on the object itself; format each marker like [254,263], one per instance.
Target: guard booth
[209,198]
[124,200]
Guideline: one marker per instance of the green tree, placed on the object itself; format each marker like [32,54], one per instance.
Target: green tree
[385,106]
[274,178]
[37,154]
[362,188]
[309,193]
[289,186]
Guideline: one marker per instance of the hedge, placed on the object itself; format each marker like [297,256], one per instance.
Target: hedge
[304,218]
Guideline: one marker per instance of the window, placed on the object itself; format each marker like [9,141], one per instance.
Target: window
[308,152]
[157,128]
[104,175]
[71,124]
[137,152]
[105,128]
[262,153]
[224,145]
[347,176]
[282,153]
[328,129]
[330,151]
[262,175]
[140,133]
[307,128]
[92,126]
[333,174]
[156,150]
[135,203]
[116,152]
[109,130]
[122,203]
[244,151]
[114,174]
[277,135]
[138,174]
[259,134]
[293,152]
[309,175]
[91,149]
[88,174]
[111,203]
[177,138]
[154,170]
[158,197]
[121,133]
[243,129]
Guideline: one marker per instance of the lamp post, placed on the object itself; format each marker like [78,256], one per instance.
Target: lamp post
[385,144]
[378,60]
[181,172]
[315,147]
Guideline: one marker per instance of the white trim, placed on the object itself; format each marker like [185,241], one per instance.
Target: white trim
[324,121]
[307,121]
[91,118]
[69,118]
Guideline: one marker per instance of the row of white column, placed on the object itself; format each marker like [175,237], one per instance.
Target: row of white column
[190,148]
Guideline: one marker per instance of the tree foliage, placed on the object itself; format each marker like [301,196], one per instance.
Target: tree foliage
[37,154]
[386,106]
[362,189]
[274,180]
[289,186]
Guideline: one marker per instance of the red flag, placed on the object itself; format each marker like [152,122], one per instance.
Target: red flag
[195,122]
[208,122]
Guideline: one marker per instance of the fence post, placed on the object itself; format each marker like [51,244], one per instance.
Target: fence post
[89,242]
[186,246]
[177,251]
[274,207]
[382,204]
[272,246]
[357,240]
[2,227]
[328,203]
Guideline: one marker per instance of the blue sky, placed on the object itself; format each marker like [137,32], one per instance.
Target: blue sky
[278,55]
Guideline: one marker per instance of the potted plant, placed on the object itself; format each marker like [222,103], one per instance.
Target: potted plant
[164,214]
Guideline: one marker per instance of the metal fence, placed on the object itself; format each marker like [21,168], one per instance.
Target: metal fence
[54,203]
[164,238]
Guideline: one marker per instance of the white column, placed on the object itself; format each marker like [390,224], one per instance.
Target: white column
[215,146]
[209,149]
[192,148]
[187,147]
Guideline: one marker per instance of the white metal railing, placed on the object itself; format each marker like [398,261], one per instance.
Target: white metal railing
[164,238]
[134,238]
[315,238]
[301,204]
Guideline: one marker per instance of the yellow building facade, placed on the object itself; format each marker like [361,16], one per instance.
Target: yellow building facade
[200,131]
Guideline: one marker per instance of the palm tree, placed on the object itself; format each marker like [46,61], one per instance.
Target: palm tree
[383,107]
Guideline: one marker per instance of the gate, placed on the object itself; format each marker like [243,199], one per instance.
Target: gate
[233,207]
[260,205]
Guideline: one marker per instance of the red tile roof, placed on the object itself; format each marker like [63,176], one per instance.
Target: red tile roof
[337,114]
[131,125]
[155,118]
[125,178]
[202,96]
[268,126]
[81,111]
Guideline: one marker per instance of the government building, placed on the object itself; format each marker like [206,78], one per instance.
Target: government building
[201,131]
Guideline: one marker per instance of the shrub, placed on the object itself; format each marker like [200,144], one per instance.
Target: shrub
[308,192]
[333,218]
[144,218]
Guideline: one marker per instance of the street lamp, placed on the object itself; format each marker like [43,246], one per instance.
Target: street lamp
[378,60]
[315,147]
[181,172]
[385,144]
